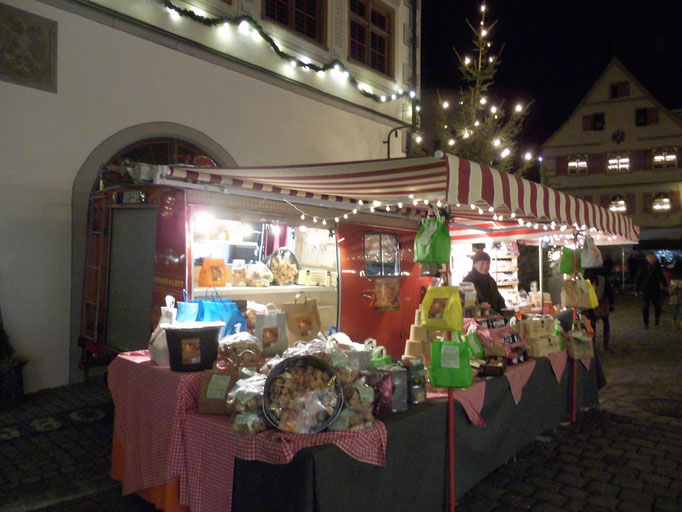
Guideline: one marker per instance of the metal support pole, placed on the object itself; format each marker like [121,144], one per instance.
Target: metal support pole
[542,298]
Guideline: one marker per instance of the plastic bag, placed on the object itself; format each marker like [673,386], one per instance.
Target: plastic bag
[247,394]
[243,348]
[158,344]
[432,243]
[450,366]
[258,275]
[284,266]
[591,256]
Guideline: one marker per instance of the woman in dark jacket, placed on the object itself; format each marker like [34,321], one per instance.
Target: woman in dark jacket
[650,286]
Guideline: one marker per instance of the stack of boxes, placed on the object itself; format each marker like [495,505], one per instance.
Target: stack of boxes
[538,333]
[419,342]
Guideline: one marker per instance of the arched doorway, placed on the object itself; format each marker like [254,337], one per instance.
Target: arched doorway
[154,143]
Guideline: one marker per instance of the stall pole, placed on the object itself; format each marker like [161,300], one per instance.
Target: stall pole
[622,269]
[574,399]
[451,445]
[542,298]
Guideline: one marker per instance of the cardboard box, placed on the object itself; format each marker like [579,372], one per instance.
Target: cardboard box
[534,328]
[542,347]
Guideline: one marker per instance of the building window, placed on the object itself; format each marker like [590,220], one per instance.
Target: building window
[619,90]
[371,35]
[665,158]
[382,256]
[661,203]
[618,162]
[646,116]
[593,122]
[577,164]
[305,17]
[617,204]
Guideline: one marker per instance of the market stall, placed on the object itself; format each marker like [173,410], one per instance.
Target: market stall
[199,461]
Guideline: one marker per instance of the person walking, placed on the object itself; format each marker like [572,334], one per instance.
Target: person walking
[602,286]
[650,286]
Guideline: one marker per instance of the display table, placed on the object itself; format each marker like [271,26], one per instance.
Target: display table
[327,477]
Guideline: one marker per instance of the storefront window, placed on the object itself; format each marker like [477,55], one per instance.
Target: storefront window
[381,254]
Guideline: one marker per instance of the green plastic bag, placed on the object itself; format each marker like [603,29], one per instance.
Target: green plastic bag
[566,263]
[379,358]
[475,345]
[432,243]
[450,366]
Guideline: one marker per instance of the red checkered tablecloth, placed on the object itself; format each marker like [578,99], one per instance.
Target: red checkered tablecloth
[471,398]
[558,362]
[206,485]
[518,376]
[151,405]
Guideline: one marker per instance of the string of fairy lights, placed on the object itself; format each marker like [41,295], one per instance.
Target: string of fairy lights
[248,26]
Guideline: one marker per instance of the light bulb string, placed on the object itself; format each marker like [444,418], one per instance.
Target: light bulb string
[333,64]
[377,207]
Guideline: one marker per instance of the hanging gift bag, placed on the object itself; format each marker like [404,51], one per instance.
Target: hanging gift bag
[441,309]
[187,311]
[432,243]
[591,255]
[158,344]
[271,329]
[450,366]
[303,318]
[220,309]
[475,345]
[592,294]
[575,294]
[566,264]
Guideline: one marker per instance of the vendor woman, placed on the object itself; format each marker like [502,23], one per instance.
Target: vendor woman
[486,287]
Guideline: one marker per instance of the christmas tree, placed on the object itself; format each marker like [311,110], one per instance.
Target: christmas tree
[475,126]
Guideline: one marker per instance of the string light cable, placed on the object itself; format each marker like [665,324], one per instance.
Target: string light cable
[333,65]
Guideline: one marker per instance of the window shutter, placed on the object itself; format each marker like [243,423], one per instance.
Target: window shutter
[561,163]
[623,89]
[604,200]
[652,115]
[587,123]
[647,198]
[630,203]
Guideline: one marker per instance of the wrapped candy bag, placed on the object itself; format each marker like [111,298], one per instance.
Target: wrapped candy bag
[258,275]
[247,394]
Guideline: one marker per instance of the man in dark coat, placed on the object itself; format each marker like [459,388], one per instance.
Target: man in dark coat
[486,288]
[650,285]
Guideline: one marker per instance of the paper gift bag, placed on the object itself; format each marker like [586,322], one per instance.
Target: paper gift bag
[575,294]
[441,309]
[432,243]
[450,364]
[303,318]
[579,345]
[271,330]
[216,383]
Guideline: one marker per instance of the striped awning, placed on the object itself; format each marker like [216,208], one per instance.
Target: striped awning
[388,181]
[490,204]
[484,203]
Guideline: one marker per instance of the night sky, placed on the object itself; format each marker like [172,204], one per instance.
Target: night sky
[555,50]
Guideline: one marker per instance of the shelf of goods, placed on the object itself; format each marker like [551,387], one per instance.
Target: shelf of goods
[326,297]
[505,270]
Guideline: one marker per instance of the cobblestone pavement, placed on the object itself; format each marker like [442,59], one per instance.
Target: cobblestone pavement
[624,455]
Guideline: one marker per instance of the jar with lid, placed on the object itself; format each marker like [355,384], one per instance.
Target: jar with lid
[239,273]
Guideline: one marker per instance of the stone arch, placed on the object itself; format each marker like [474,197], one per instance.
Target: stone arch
[80,195]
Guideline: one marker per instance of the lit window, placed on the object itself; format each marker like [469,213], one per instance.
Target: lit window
[618,162]
[371,34]
[577,164]
[617,204]
[661,203]
[665,158]
[382,254]
[305,18]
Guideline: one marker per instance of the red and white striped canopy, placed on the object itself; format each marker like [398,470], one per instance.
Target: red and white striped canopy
[483,202]
[487,203]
